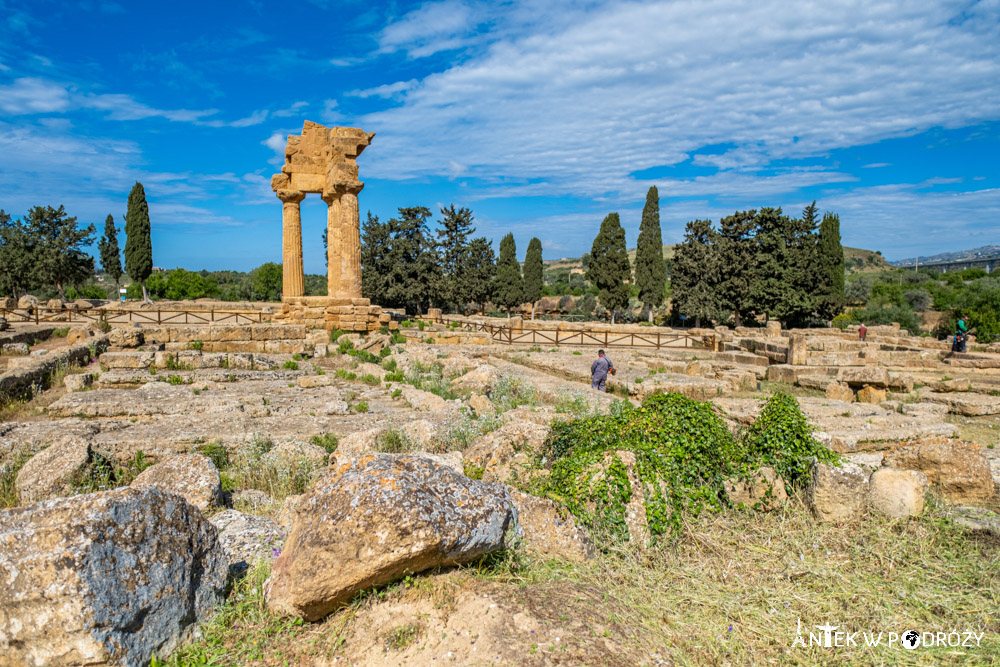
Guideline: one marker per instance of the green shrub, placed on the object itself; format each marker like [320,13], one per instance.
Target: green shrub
[396,393]
[345,375]
[216,451]
[361,406]
[420,325]
[196,345]
[683,453]
[327,441]
[844,320]
[394,441]
[291,365]
[365,355]
[397,338]
[395,377]
[390,365]
[370,379]
[61,332]
[345,346]
[176,380]
[335,334]
[511,392]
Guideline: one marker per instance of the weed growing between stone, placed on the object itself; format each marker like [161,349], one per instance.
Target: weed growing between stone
[102,474]
[8,475]
[463,432]
[327,441]
[511,392]
[430,377]
[683,452]
[394,441]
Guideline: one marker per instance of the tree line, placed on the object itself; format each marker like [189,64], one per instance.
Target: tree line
[46,247]
[760,264]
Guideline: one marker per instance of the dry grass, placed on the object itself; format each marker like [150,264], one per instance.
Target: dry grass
[730,590]
[984,431]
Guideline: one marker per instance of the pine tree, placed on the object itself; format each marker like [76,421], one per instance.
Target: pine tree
[111,260]
[453,250]
[481,271]
[375,267]
[609,268]
[411,266]
[138,243]
[785,280]
[17,252]
[509,292]
[831,263]
[694,273]
[533,274]
[737,265]
[59,258]
[650,268]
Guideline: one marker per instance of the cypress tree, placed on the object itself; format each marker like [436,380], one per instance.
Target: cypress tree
[831,262]
[111,259]
[533,274]
[509,291]
[481,271]
[609,267]
[650,268]
[694,273]
[138,244]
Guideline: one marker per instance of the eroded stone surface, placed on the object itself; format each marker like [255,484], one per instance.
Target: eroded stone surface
[958,468]
[764,490]
[837,493]
[370,519]
[105,578]
[246,538]
[192,476]
[51,471]
[897,493]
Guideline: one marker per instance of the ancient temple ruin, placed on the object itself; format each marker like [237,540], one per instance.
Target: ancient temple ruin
[323,160]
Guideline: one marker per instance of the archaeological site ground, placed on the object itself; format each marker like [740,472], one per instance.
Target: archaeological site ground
[451,490]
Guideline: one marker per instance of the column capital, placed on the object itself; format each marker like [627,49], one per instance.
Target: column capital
[290,196]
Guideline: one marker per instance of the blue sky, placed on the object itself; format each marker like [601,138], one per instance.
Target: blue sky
[541,117]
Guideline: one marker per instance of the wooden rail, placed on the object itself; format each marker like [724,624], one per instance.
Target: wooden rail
[592,338]
[124,316]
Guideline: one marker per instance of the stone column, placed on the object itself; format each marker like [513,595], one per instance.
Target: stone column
[350,253]
[292,280]
[334,242]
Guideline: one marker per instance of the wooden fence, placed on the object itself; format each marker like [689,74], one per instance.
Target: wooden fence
[592,338]
[124,316]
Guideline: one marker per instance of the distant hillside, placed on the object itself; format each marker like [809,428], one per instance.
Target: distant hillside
[857,260]
[976,253]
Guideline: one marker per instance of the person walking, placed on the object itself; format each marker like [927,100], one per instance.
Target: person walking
[961,334]
[863,331]
[599,371]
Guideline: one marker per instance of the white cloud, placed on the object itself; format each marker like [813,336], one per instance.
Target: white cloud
[30,96]
[330,114]
[388,90]
[576,99]
[433,27]
[292,110]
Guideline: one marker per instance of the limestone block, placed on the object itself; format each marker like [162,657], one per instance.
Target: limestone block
[897,493]
[312,381]
[15,348]
[191,476]
[838,391]
[368,520]
[549,531]
[773,328]
[112,360]
[284,347]
[77,334]
[78,381]
[126,337]
[278,332]
[945,386]
[105,578]
[51,471]
[421,431]
[837,494]
[764,490]
[27,302]
[957,467]
[868,394]
[857,376]
[481,405]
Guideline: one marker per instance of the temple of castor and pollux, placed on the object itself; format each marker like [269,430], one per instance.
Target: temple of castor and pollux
[323,160]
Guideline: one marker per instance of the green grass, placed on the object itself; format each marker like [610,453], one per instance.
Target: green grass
[327,441]
[8,477]
[290,365]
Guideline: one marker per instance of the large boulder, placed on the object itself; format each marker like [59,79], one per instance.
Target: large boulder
[958,468]
[54,304]
[8,302]
[246,538]
[839,391]
[897,493]
[51,471]
[369,520]
[192,476]
[492,452]
[27,302]
[764,489]
[871,395]
[105,578]
[837,493]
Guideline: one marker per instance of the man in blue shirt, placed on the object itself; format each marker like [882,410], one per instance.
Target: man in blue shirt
[599,371]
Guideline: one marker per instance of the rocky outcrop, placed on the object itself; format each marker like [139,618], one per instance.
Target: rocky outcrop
[897,493]
[493,452]
[51,471]
[126,337]
[837,493]
[192,476]
[368,520]
[763,490]
[956,467]
[479,380]
[105,578]
[76,334]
